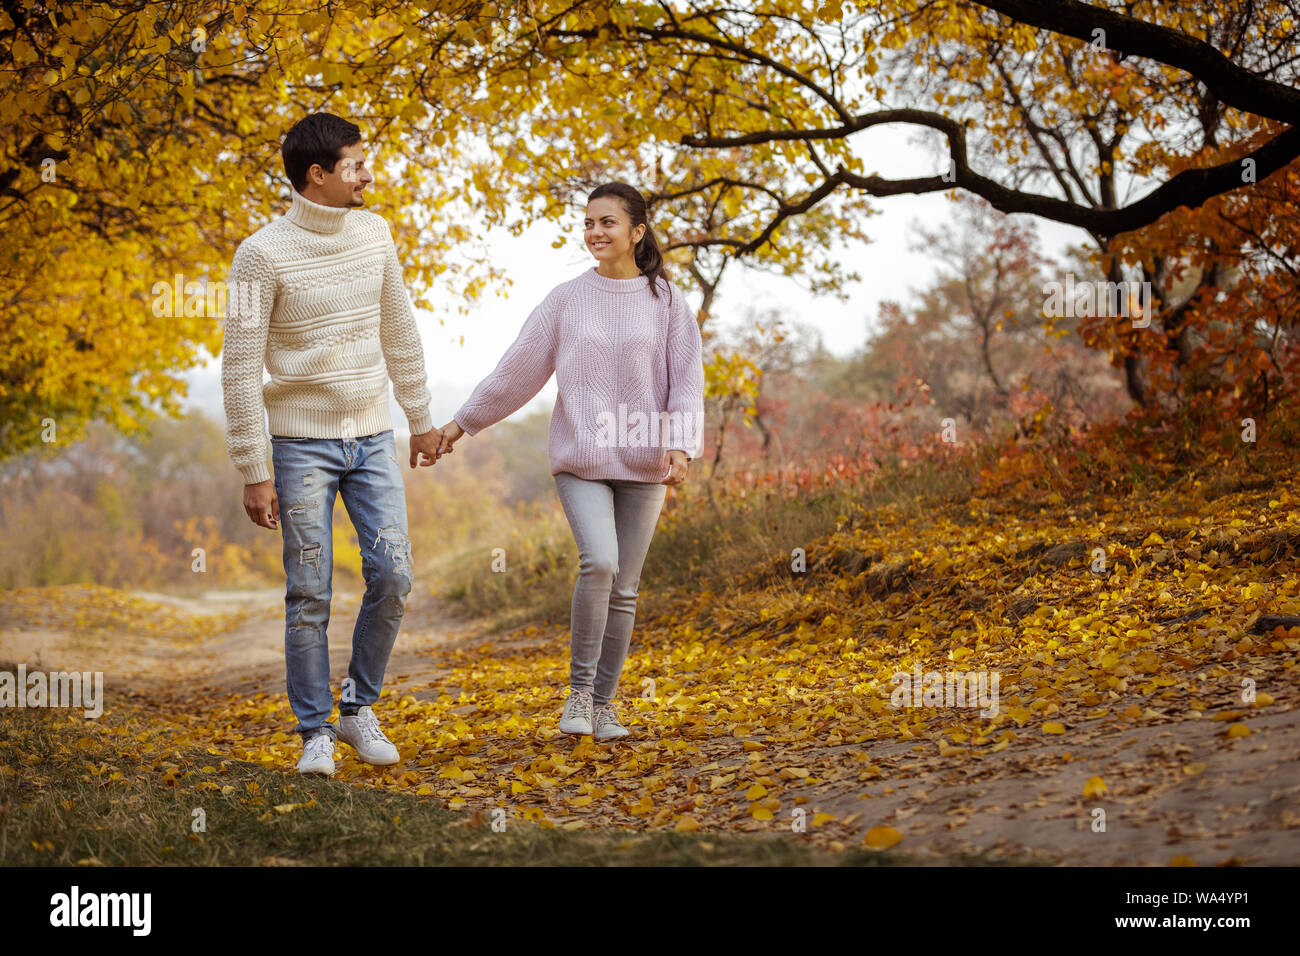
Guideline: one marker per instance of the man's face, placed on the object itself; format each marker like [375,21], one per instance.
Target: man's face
[344,186]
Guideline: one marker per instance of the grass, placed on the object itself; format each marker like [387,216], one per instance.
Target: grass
[700,543]
[61,805]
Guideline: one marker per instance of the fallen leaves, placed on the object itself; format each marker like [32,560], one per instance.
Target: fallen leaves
[1094,787]
[743,729]
[882,838]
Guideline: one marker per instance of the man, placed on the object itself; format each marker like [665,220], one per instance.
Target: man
[317,297]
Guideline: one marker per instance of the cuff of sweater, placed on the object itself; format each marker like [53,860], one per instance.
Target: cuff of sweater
[255,473]
[421,423]
[466,423]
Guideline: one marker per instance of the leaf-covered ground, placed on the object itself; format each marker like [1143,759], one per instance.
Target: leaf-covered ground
[1140,688]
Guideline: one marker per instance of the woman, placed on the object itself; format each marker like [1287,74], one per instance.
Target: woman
[625,348]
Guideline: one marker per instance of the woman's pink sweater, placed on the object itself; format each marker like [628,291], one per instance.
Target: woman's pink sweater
[629,370]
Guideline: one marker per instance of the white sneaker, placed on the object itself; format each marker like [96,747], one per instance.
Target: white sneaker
[608,726]
[317,755]
[576,718]
[362,733]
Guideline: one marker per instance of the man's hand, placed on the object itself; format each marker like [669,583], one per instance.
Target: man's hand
[450,433]
[262,505]
[424,447]
[675,465]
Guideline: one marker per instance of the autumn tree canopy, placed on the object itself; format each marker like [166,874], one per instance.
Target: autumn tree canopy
[141,145]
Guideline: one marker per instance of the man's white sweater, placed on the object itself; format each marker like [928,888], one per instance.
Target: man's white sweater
[317,297]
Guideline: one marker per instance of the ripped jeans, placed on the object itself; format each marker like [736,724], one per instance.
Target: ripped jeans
[309,474]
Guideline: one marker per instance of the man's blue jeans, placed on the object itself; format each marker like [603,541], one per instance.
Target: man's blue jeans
[309,474]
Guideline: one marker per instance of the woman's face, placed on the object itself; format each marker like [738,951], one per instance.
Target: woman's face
[608,230]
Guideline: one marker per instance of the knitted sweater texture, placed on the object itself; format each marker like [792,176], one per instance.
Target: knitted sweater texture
[317,297]
[630,374]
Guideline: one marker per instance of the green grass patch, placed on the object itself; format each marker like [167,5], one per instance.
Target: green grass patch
[61,804]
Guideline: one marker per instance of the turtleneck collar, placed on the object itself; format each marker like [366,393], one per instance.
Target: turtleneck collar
[635,284]
[326,219]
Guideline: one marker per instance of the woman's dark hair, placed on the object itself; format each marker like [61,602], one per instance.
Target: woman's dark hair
[316,138]
[648,257]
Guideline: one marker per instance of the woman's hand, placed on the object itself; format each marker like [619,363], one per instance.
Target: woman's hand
[450,432]
[675,465]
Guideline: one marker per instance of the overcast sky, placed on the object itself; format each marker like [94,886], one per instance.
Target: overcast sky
[889,268]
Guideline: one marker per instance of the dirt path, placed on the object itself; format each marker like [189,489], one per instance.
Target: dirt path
[1174,789]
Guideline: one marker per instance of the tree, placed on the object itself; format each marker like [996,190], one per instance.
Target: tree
[140,145]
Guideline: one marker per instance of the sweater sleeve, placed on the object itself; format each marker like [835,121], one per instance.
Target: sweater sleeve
[250,299]
[521,373]
[685,380]
[399,337]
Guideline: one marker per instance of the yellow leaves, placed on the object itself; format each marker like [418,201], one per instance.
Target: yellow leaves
[760,812]
[1182,859]
[1262,700]
[1019,714]
[23,53]
[755,792]
[1195,769]
[1094,787]
[283,808]
[280,809]
[1238,730]
[752,745]
[686,824]
[1053,727]
[882,838]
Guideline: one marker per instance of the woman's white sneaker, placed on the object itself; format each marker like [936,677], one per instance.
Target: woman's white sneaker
[362,733]
[576,718]
[608,726]
[317,755]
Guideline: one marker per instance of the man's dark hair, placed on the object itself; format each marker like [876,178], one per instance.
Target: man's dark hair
[316,138]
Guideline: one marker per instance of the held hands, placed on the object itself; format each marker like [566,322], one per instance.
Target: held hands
[425,447]
[450,433]
[263,506]
[675,465]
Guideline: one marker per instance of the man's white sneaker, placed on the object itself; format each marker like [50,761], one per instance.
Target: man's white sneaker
[318,756]
[608,726]
[576,718]
[362,733]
